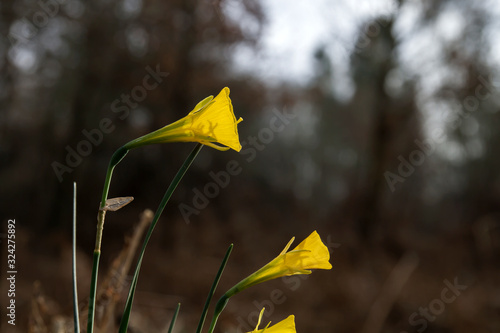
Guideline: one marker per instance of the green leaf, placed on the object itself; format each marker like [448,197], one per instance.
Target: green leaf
[212,290]
[174,318]
[170,190]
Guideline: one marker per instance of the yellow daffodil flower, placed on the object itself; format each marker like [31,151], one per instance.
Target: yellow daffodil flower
[310,254]
[284,326]
[212,123]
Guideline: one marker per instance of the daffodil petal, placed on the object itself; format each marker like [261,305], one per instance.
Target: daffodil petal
[285,326]
[213,145]
[287,246]
[202,104]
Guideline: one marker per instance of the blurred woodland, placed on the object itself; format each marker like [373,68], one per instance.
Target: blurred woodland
[390,156]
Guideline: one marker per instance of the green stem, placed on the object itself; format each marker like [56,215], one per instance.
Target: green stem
[93,288]
[115,159]
[221,304]
[212,290]
[159,211]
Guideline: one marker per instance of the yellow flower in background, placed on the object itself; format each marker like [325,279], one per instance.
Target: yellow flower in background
[212,123]
[310,254]
[284,326]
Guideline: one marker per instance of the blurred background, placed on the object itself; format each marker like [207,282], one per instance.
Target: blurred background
[373,122]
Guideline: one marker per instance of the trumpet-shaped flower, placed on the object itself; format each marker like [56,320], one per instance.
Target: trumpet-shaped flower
[284,326]
[212,123]
[311,253]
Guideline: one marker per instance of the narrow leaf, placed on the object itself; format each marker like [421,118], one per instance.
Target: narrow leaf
[170,190]
[174,318]
[212,290]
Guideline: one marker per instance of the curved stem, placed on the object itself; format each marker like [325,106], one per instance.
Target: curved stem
[221,304]
[115,159]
